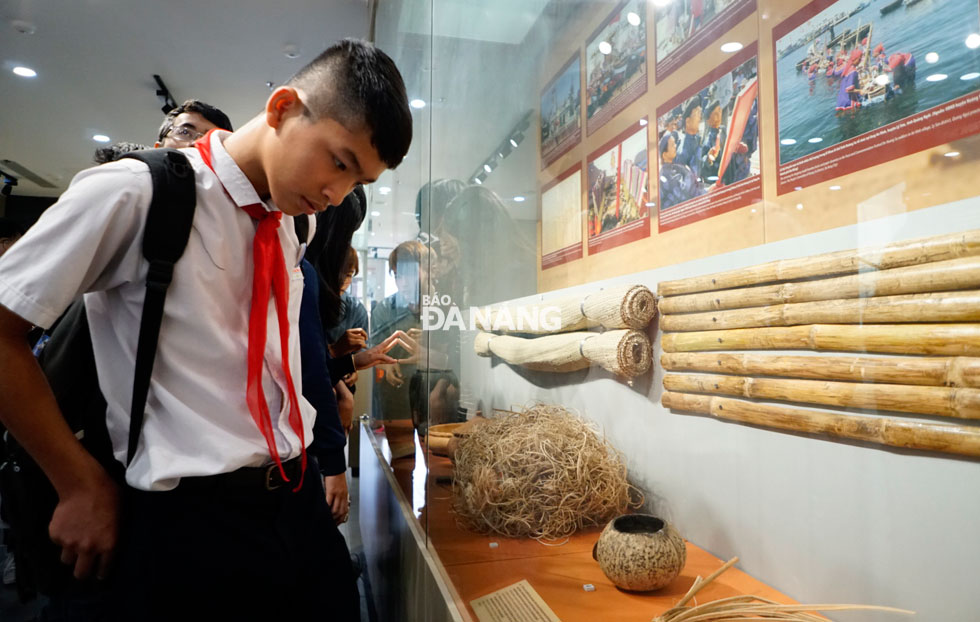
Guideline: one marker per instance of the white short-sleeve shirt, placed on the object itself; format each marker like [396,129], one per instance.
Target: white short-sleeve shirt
[197,420]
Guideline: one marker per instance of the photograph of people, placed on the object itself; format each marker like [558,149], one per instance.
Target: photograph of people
[857,66]
[712,139]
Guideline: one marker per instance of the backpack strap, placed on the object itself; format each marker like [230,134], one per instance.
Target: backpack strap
[168,227]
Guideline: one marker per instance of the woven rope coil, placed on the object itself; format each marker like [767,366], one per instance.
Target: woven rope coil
[624,306]
[623,352]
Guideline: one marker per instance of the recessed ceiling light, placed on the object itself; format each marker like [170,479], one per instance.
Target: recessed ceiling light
[788,141]
[478,181]
[519,199]
[375,213]
[797,187]
[973,41]
[650,204]
[932,57]
[417,103]
[799,206]
[936,77]
[835,187]
[753,210]
[973,75]
[25,72]
[731,46]
[951,154]
[290,50]
[882,80]
[633,18]
[384,190]
[643,122]
[487,168]
[605,47]
[814,140]
[101,138]
[711,178]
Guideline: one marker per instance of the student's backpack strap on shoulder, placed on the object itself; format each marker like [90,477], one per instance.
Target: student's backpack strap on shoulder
[168,227]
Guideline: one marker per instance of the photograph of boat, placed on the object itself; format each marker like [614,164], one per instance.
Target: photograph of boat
[847,71]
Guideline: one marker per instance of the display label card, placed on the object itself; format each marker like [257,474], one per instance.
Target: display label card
[861,83]
[514,603]
[618,190]
[616,63]
[561,219]
[708,145]
[685,27]
[561,112]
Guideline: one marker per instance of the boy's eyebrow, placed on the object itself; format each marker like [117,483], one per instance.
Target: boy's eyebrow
[352,157]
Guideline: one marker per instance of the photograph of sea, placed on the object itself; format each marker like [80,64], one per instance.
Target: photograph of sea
[854,66]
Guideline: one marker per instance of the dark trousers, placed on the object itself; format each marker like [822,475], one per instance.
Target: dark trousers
[218,554]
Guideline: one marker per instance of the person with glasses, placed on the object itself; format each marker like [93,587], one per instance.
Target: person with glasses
[190,121]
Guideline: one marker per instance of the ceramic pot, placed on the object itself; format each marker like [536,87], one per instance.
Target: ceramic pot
[640,552]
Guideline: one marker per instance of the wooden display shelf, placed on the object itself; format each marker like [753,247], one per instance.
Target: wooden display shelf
[558,572]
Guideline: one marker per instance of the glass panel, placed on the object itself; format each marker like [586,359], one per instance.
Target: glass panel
[759,166]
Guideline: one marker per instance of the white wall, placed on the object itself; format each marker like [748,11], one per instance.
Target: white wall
[822,521]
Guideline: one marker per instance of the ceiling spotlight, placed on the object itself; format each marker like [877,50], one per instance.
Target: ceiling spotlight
[936,77]
[513,143]
[101,138]
[478,181]
[605,47]
[418,104]
[788,141]
[835,187]
[488,168]
[375,213]
[798,188]
[973,41]
[973,75]
[519,199]
[651,204]
[291,50]
[25,72]
[815,140]
[643,122]
[731,46]
[882,79]
[951,154]
[384,190]
[633,18]
[799,206]
[932,57]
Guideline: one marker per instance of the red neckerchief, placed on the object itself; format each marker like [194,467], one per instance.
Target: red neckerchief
[269,275]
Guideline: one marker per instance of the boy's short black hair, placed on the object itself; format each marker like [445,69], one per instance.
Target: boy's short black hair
[356,84]
[209,112]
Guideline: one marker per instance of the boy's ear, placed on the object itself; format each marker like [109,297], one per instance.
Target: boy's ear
[283,101]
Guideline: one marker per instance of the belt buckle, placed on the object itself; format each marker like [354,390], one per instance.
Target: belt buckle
[269,484]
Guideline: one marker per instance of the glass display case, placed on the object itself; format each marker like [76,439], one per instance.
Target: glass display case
[741,240]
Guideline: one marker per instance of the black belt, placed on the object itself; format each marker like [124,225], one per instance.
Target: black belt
[263,478]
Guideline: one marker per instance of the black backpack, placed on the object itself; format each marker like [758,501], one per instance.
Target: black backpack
[28,499]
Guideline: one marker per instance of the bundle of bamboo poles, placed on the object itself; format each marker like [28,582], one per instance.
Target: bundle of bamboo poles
[917,301]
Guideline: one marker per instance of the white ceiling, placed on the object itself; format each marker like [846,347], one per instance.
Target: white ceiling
[95,61]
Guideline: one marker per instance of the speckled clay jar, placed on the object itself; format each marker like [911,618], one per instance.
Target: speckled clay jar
[640,552]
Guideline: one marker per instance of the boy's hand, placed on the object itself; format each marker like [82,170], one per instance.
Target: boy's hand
[378,354]
[85,524]
[337,496]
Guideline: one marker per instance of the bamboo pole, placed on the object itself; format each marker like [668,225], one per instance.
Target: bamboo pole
[939,276]
[918,308]
[942,401]
[957,371]
[934,339]
[943,437]
[906,253]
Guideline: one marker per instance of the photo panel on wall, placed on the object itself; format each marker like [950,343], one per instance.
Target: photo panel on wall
[561,219]
[561,112]
[615,64]
[685,27]
[708,145]
[618,190]
[859,83]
